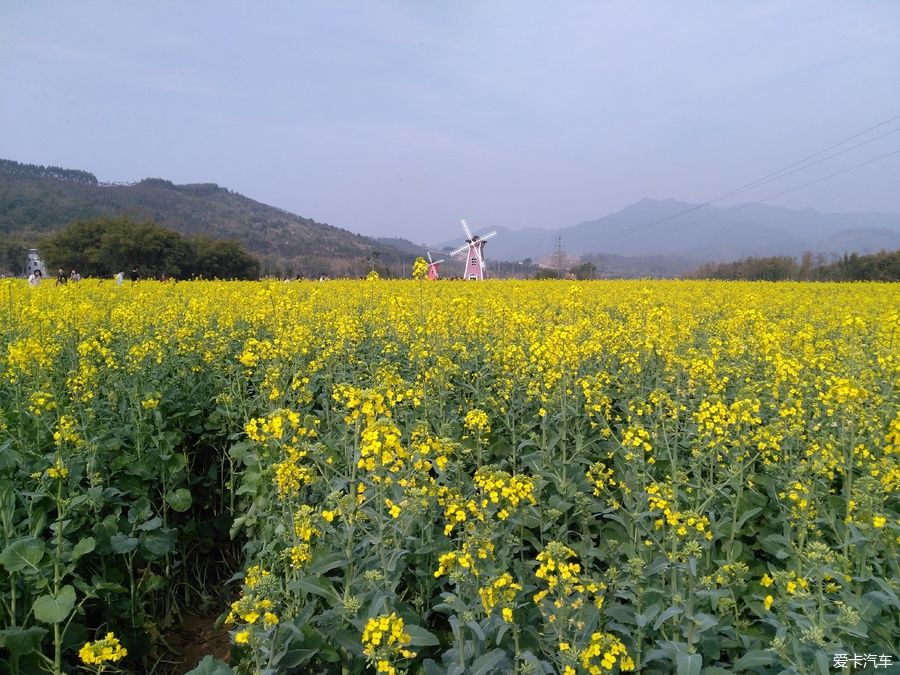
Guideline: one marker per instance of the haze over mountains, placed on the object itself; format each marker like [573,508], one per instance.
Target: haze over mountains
[648,228]
[36,200]
[647,238]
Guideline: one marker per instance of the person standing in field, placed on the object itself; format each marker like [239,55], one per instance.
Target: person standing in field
[120,278]
[35,278]
[61,277]
[134,274]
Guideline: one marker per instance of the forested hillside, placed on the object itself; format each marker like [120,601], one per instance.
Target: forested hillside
[37,200]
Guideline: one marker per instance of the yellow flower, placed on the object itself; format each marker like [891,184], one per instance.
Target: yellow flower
[477,420]
[99,652]
[242,637]
[58,471]
[420,268]
[768,602]
[879,521]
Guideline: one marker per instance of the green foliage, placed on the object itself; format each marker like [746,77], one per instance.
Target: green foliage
[37,200]
[104,246]
[882,266]
[585,271]
[138,424]
[12,257]
[545,273]
[223,260]
[11,168]
[775,268]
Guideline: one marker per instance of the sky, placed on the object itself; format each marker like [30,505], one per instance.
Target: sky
[395,118]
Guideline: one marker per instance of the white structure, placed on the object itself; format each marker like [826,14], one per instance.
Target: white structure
[34,263]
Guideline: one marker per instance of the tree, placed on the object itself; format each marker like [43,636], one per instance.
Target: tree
[104,246]
[586,270]
[224,259]
[12,258]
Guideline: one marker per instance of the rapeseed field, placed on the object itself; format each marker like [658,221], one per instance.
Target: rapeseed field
[451,477]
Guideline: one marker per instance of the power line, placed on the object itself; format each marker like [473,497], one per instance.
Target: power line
[778,194]
[816,154]
[806,166]
[775,175]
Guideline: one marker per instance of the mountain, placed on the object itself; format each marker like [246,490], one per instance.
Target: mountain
[861,240]
[404,245]
[531,242]
[36,200]
[653,228]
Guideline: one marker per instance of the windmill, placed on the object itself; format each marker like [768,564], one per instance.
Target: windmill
[433,267]
[475,257]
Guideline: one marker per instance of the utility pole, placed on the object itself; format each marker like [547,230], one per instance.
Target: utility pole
[559,256]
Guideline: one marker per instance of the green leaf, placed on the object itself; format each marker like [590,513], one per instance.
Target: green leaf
[23,555]
[688,664]
[21,641]
[325,563]
[487,663]
[419,637]
[211,666]
[153,583]
[83,547]
[429,667]
[747,516]
[647,615]
[160,542]
[823,663]
[152,524]
[180,500]
[50,609]
[475,628]
[665,616]
[318,586]
[754,659]
[122,543]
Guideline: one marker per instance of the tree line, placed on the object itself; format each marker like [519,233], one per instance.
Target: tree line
[102,247]
[881,266]
[9,167]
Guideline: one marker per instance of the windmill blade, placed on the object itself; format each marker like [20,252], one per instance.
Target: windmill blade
[464,247]
[466,228]
[429,258]
[490,234]
[438,262]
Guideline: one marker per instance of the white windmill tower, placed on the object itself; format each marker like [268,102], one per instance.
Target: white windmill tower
[475,253]
[433,270]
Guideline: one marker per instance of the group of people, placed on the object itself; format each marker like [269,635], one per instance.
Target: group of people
[62,278]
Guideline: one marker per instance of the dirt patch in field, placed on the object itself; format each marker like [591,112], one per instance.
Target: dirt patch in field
[196,637]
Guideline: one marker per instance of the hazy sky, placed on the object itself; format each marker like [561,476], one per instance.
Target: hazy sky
[398,118]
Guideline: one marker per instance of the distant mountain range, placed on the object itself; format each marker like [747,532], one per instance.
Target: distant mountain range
[648,238]
[652,228]
[36,200]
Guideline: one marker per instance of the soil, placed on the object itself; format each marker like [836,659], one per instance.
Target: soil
[196,637]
